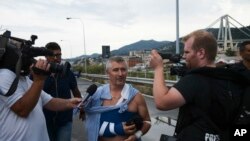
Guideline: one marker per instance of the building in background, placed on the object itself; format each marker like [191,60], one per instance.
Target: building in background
[105,51]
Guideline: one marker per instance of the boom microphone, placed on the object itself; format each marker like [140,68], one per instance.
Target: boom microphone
[90,91]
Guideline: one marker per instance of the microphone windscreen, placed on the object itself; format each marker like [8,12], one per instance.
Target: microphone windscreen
[91,89]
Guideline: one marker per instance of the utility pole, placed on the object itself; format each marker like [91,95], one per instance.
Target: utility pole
[177,27]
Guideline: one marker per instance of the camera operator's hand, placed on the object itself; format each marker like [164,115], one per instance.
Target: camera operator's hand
[155,60]
[39,70]
[23,106]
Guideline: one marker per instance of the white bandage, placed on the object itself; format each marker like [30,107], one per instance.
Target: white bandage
[148,122]
[138,134]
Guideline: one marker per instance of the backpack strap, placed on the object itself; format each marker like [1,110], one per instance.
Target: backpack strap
[13,87]
[14,84]
[221,73]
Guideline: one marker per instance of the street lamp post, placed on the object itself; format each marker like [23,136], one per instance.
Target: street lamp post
[84,45]
[177,28]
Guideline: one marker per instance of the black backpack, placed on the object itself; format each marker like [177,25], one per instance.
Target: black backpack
[244,113]
[241,113]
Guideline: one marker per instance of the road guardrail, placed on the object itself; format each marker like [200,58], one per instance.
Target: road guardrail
[169,83]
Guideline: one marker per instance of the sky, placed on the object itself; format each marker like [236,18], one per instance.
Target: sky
[111,22]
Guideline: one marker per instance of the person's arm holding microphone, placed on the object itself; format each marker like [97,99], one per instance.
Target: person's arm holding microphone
[89,92]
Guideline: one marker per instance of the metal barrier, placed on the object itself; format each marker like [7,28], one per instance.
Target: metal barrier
[167,120]
[130,79]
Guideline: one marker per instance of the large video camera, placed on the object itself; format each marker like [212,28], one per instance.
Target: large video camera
[177,68]
[18,54]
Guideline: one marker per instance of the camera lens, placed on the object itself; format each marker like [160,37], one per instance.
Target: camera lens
[59,68]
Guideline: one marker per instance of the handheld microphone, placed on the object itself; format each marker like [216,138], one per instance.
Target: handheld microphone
[90,91]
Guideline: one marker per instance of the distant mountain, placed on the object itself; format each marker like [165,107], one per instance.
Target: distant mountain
[140,45]
[166,46]
[95,55]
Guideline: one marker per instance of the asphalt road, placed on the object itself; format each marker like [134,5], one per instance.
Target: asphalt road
[158,118]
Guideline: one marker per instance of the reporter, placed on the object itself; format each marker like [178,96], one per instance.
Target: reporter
[59,124]
[21,116]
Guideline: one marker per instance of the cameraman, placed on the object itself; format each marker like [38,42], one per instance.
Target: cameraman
[21,116]
[193,92]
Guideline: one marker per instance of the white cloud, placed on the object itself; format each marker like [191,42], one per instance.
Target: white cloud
[112,22]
